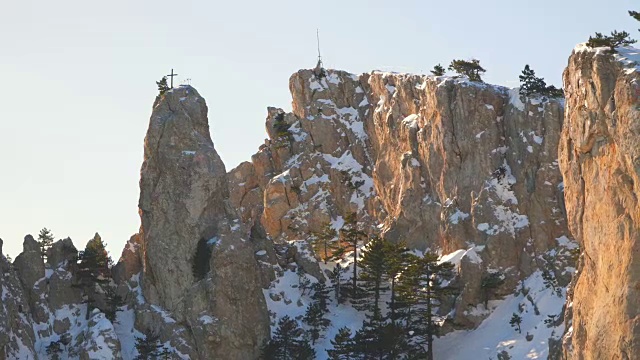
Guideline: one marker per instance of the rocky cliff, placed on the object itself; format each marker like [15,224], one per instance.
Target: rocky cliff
[467,169]
[190,278]
[600,162]
[184,210]
[41,305]
[441,163]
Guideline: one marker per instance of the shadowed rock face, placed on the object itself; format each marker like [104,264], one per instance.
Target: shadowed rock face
[440,163]
[600,162]
[16,331]
[183,199]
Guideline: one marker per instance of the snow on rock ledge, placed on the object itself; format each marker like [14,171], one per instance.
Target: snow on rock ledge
[441,163]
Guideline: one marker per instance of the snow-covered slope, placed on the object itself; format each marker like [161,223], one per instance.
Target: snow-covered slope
[538,300]
[541,310]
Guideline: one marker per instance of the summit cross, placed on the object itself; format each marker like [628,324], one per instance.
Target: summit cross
[171,76]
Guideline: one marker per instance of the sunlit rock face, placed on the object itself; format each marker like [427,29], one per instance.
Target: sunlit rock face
[438,162]
[600,162]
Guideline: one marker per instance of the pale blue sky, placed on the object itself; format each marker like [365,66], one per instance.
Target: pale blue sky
[79,81]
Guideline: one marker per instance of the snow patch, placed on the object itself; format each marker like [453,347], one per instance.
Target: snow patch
[515,100]
[411,121]
[495,335]
[456,217]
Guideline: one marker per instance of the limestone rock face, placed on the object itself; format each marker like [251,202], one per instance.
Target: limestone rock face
[41,304]
[17,339]
[60,252]
[183,201]
[130,262]
[30,267]
[440,163]
[181,171]
[600,162]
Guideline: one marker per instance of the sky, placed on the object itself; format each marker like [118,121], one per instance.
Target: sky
[78,81]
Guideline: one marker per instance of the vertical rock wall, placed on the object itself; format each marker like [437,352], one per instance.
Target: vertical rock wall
[600,162]
[184,201]
[441,163]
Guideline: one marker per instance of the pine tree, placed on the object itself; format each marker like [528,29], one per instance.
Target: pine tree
[54,349]
[287,343]
[550,281]
[321,295]
[339,290]
[471,69]
[164,353]
[515,322]
[344,347]
[396,262]
[635,15]
[315,319]
[395,342]
[280,125]
[380,339]
[489,283]
[423,289]
[407,299]
[45,240]
[373,272]
[352,236]
[530,83]
[324,242]
[162,85]
[554,92]
[438,70]
[94,262]
[148,347]
[368,340]
[504,355]
[114,302]
[616,39]
[303,281]
[93,271]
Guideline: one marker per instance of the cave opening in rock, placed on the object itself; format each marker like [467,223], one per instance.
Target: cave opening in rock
[201,258]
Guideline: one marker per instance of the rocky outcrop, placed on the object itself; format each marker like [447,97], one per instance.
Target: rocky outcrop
[130,263]
[61,259]
[17,339]
[42,305]
[185,211]
[217,312]
[600,162]
[463,168]
[440,163]
[30,267]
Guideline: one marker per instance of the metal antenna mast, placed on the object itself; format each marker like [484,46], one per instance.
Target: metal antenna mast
[319,57]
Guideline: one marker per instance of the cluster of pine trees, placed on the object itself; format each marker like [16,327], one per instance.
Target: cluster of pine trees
[92,270]
[615,40]
[93,276]
[150,348]
[530,84]
[399,291]
[469,68]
